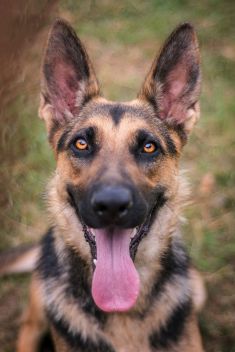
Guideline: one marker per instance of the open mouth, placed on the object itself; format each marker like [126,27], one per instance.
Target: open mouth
[115,283]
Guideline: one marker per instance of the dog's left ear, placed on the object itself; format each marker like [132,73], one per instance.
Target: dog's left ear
[173,84]
[68,79]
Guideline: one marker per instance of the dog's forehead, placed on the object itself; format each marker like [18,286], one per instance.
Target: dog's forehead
[118,111]
[120,117]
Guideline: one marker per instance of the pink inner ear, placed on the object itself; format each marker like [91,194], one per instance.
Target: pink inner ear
[65,88]
[173,89]
[178,81]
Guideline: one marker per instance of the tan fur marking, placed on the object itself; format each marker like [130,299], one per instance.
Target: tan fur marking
[34,321]
[191,340]
[198,290]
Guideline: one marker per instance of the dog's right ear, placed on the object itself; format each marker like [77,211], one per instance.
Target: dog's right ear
[68,79]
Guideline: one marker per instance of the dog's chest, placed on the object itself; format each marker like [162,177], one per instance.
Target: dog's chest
[78,322]
[120,334]
[127,334]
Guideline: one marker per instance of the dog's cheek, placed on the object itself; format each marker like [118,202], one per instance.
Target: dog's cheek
[64,214]
[66,168]
[161,182]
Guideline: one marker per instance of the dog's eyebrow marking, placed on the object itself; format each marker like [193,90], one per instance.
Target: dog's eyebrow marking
[76,340]
[172,330]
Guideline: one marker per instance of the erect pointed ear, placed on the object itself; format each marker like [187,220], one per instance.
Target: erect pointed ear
[172,85]
[68,79]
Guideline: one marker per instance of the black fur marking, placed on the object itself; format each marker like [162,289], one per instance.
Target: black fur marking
[143,137]
[193,76]
[146,136]
[74,193]
[171,148]
[89,135]
[172,264]
[46,344]
[76,340]
[171,332]
[80,288]
[117,111]
[78,282]
[170,144]
[48,265]
[179,129]
[152,100]
[174,261]
[158,200]
[62,141]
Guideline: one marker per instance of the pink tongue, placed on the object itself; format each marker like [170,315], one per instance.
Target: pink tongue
[115,284]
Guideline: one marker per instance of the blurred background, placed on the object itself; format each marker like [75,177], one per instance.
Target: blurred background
[122,38]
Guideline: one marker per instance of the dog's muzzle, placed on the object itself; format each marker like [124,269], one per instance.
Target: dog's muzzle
[112,206]
[115,219]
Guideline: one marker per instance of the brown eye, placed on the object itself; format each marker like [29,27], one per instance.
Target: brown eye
[149,148]
[81,144]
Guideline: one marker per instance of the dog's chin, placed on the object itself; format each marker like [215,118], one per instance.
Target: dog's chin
[115,283]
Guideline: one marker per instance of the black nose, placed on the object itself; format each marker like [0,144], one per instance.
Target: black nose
[112,203]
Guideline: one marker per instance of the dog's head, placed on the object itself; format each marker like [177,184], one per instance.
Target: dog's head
[117,163]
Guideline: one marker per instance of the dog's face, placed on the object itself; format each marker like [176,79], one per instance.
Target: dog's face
[118,162]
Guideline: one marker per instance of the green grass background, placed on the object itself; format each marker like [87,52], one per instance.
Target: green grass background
[122,38]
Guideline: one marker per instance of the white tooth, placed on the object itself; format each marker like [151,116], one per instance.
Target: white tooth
[92,231]
[95,261]
[133,233]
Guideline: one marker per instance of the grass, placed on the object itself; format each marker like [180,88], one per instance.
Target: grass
[122,39]
[26,144]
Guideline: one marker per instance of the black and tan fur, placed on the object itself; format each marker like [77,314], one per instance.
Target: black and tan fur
[164,316]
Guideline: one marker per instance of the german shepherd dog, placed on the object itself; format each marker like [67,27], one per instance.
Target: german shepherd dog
[112,272]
